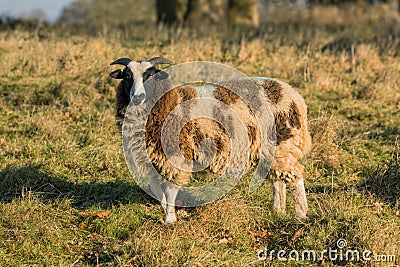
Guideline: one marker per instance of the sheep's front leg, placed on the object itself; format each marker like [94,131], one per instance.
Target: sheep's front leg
[279,190]
[155,186]
[171,191]
[300,199]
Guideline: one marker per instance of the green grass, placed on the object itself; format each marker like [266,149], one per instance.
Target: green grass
[66,195]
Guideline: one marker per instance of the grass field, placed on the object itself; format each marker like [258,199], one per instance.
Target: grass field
[66,195]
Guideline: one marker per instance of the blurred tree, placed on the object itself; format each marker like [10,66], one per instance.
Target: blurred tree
[97,13]
[203,12]
[243,12]
[172,11]
[74,13]
[35,15]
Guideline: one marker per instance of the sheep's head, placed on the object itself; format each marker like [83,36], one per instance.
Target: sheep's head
[136,74]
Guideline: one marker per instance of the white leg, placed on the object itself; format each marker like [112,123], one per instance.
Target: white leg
[300,199]
[279,190]
[171,191]
[155,186]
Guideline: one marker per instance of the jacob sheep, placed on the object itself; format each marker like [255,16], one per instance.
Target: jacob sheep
[289,112]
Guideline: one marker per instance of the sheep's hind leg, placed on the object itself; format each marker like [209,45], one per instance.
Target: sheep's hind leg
[300,199]
[155,186]
[171,191]
[279,190]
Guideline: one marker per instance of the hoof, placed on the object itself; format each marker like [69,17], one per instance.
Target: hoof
[302,216]
[279,210]
[170,218]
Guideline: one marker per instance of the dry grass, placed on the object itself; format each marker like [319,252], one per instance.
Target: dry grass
[61,159]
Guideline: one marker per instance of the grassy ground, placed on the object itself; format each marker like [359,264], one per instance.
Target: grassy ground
[66,195]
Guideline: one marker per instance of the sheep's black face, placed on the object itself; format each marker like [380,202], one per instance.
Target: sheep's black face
[127,78]
[135,75]
[149,73]
[131,89]
[133,78]
[127,81]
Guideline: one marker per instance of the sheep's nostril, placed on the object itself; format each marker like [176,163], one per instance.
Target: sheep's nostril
[138,99]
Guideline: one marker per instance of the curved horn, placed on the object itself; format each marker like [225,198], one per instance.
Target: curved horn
[159,60]
[122,61]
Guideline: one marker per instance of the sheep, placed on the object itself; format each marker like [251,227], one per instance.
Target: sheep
[289,119]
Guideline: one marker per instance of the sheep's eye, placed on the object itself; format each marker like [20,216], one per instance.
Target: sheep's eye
[127,76]
[146,75]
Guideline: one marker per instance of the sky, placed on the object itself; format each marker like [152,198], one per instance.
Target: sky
[51,8]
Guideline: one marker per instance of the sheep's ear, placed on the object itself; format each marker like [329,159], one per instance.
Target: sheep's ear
[161,75]
[116,74]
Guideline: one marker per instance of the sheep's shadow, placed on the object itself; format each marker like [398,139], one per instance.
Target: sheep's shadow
[383,183]
[385,135]
[35,178]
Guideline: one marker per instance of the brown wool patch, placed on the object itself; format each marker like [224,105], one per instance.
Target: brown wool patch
[283,132]
[190,130]
[225,95]
[294,116]
[273,91]
[156,119]
[163,108]
[255,145]
[186,93]
[189,139]
[189,134]
[222,144]
[252,132]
